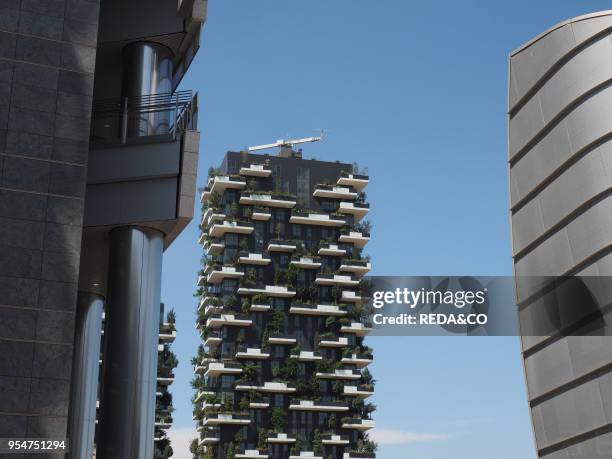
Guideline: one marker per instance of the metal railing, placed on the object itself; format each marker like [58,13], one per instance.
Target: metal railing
[166,114]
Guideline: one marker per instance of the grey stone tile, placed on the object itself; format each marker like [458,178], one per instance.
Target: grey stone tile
[8,43]
[36,75]
[35,122]
[55,327]
[48,7]
[9,19]
[68,180]
[72,127]
[47,426]
[78,57]
[59,296]
[27,234]
[15,393]
[16,291]
[17,323]
[26,174]
[16,358]
[78,105]
[41,25]
[52,361]
[19,262]
[18,204]
[75,83]
[6,70]
[80,32]
[10,4]
[49,397]
[34,98]
[60,266]
[5,93]
[60,238]
[29,144]
[83,10]
[71,151]
[67,211]
[13,426]
[38,51]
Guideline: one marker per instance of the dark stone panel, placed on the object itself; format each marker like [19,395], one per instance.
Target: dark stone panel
[13,426]
[9,19]
[33,121]
[2,145]
[55,327]
[78,57]
[26,174]
[8,43]
[49,397]
[36,75]
[83,10]
[17,323]
[19,262]
[71,104]
[52,361]
[15,394]
[67,211]
[72,127]
[27,234]
[71,151]
[34,98]
[68,180]
[47,426]
[81,32]
[47,7]
[60,266]
[38,51]
[41,25]
[6,70]
[60,296]
[75,83]
[19,292]
[22,205]
[5,93]
[29,144]
[16,358]
[60,238]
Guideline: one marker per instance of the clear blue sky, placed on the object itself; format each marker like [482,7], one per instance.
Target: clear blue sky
[415,91]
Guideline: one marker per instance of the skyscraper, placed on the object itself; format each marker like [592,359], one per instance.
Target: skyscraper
[98,160]
[282,372]
[560,154]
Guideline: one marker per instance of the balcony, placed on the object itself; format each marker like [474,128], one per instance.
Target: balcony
[267,200]
[358,423]
[356,455]
[167,335]
[256,170]
[307,356]
[276,338]
[260,306]
[260,403]
[209,299]
[216,274]
[334,440]
[356,238]
[261,215]
[201,394]
[340,373]
[250,454]
[360,390]
[212,339]
[305,455]
[234,320]
[165,380]
[310,218]
[247,258]
[223,368]
[215,419]
[219,183]
[334,192]
[211,215]
[219,229]
[278,291]
[212,247]
[280,438]
[357,181]
[331,250]
[358,267]
[359,360]
[335,279]
[320,405]
[357,209]
[333,341]
[316,309]
[270,387]
[164,423]
[357,328]
[279,245]
[251,353]
[351,297]
[210,436]
[306,262]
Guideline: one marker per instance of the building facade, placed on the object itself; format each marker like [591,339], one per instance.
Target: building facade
[98,160]
[560,155]
[282,371]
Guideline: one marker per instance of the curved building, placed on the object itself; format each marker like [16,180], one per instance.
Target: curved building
[560,155]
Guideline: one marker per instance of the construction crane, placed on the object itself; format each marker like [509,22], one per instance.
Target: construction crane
[286,143]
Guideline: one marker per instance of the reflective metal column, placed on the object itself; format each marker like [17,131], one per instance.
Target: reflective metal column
[127,408]
[85,373]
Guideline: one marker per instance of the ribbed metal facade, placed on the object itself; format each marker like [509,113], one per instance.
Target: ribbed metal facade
[560,155]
